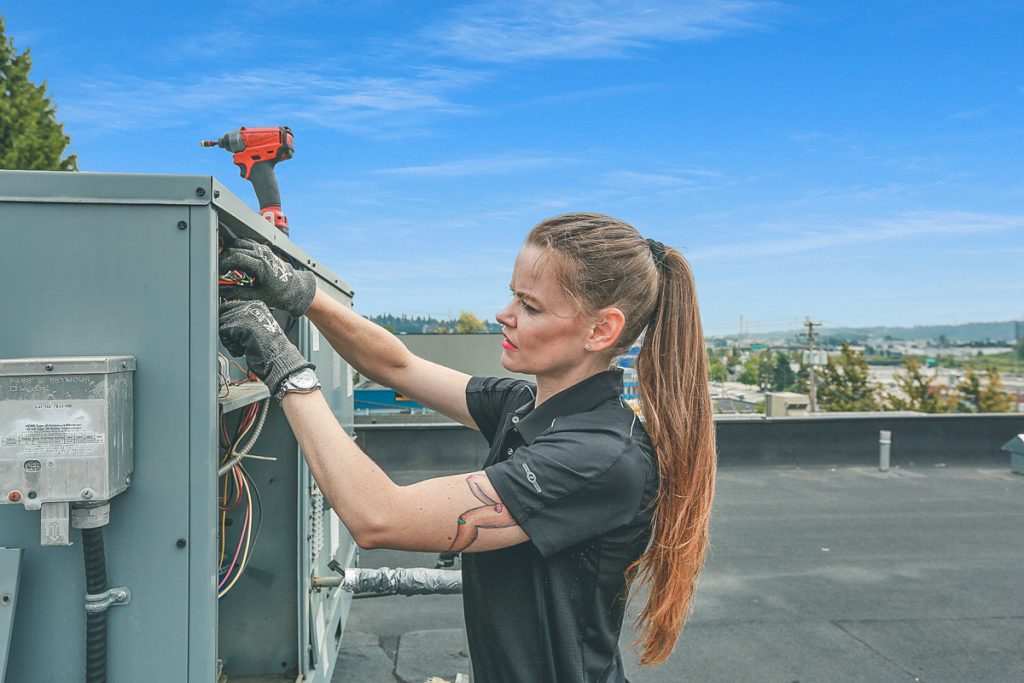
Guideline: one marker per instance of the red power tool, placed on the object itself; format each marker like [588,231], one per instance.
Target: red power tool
[256,152]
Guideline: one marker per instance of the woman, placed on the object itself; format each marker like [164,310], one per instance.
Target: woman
[578,502]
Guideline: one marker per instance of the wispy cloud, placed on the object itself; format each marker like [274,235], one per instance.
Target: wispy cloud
[330,98]
[903,226]
[513,31]
[575,96]
[678,180]
[971,113]
[226,42]
[489,165]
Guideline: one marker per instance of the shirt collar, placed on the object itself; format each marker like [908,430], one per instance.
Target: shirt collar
[579,398]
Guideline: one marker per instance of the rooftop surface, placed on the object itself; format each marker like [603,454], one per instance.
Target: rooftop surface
[814,574]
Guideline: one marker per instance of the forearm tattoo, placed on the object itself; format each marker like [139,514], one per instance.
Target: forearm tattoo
[491,515]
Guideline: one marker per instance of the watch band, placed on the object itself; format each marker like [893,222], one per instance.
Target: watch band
[302,381]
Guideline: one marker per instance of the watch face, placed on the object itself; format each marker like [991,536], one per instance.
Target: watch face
[304,379]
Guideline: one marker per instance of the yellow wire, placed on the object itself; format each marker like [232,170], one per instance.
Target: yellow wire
[223,526]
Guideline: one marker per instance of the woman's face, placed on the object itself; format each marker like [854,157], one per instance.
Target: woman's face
[544,333]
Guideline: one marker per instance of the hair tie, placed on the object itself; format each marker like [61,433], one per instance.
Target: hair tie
[657,251]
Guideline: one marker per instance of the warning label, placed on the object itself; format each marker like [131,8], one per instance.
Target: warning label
[47,429]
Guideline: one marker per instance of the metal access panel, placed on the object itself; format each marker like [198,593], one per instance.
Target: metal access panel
[105,265]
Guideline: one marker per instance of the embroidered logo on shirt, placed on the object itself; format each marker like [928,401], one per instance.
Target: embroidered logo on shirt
[531,477]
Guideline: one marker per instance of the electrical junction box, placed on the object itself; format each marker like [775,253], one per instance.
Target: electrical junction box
[65,435]
[121,267]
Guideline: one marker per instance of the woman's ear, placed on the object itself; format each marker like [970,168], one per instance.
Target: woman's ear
[606,329]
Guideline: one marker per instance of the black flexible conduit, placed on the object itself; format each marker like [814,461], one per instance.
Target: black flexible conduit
[96,624]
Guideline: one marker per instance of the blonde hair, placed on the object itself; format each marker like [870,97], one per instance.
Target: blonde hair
[605,262]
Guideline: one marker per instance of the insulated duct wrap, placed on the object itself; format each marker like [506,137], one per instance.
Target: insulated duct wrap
[402,581]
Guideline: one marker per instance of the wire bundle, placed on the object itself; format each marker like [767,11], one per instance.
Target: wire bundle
[234,278]
[239,492]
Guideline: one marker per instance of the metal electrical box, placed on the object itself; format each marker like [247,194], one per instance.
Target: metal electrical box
[65,435]
[104,269]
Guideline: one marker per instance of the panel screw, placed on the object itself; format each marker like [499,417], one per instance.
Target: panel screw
[200,191]
[181,543]
[6,598]
[121,596]
[49,367]
[127,481]
[216,194]
[182,225]
[88,493]
[124,364]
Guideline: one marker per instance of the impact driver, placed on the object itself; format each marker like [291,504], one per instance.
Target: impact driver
[256,152]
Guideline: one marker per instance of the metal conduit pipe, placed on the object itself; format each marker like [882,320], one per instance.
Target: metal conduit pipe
[96,622]
[91,518]
[244,450]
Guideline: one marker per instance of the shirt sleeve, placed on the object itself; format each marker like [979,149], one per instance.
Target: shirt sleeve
[487,398]
[568,487]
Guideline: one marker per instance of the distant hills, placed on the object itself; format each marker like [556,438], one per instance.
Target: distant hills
[967,332]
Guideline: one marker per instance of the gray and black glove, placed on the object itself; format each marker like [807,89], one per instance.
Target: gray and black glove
[277,284]
[248,329]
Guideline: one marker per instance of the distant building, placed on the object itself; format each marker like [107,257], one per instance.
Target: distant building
[474,354]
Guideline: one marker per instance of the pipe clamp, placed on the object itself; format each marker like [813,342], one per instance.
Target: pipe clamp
[94,604]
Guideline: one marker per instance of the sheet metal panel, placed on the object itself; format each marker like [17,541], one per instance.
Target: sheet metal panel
[96,280]
[59,187]
[199,529]
[10,576]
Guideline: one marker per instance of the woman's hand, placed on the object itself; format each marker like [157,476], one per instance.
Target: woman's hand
[277,284]
[248,329]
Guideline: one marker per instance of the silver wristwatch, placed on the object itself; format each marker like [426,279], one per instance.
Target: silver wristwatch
[302,381]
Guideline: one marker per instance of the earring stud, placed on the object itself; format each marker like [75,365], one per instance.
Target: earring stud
[588,347]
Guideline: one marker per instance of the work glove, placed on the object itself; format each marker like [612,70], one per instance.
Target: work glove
[248,329]
[277,284]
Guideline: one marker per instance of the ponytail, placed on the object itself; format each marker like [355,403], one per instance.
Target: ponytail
[676,404]
[606,262]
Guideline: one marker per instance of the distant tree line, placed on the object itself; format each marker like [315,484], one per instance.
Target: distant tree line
[844,384]
[465,323]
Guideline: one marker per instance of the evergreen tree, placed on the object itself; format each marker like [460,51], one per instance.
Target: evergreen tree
[30,136]
[783,377]
[845,384]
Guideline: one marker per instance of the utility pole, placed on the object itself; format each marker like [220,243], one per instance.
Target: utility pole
[811,379]
[1018,329]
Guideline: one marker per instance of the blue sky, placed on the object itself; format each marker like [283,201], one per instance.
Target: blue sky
[860,162]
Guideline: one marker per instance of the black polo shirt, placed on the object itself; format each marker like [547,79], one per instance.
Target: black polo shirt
[578,474]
